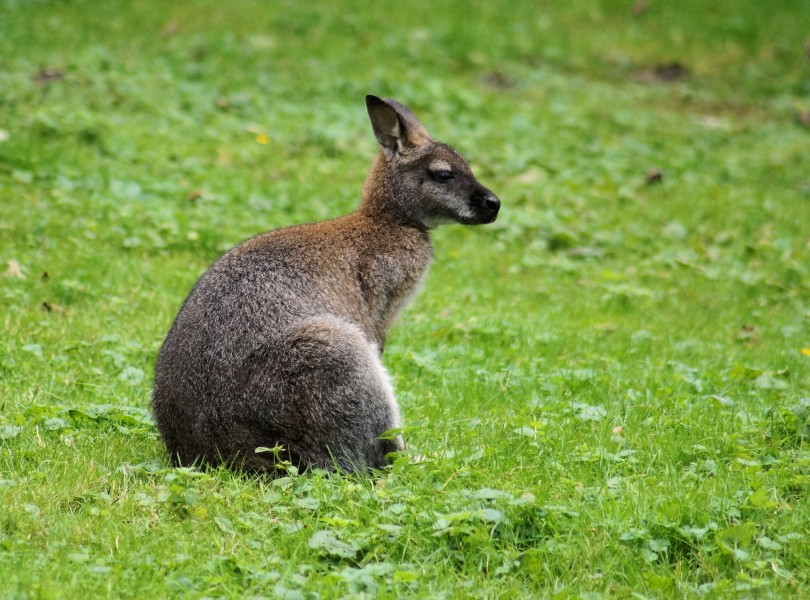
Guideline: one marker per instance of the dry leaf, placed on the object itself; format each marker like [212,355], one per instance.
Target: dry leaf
[194,195]
[530,175]
[497,80]
[171,28]
[14,270]
[653,176]
[748,334]
[51,307]
[46,76]
[665,73]
[640,7]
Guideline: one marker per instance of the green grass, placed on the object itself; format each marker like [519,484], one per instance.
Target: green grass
[606,391]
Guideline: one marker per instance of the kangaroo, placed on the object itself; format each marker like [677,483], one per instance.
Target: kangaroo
[279,342]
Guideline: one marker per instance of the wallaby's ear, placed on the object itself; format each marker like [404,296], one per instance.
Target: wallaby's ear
[396,127]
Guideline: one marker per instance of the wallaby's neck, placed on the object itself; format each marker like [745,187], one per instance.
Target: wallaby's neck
[383,201]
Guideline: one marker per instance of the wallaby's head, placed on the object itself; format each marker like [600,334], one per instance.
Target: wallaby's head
[428,181]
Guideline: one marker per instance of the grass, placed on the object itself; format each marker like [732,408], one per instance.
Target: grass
[606,391]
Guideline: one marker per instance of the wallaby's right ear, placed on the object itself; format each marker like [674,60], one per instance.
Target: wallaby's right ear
[395,126]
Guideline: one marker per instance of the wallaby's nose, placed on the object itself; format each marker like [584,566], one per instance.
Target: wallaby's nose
[486,204]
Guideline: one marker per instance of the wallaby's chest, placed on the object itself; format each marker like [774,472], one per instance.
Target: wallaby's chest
[389,276]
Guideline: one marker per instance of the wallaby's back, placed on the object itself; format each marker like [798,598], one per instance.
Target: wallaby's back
[279,341]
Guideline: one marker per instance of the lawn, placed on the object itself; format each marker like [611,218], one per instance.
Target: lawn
[606,392]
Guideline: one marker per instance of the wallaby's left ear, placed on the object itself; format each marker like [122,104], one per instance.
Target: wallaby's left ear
[395,126]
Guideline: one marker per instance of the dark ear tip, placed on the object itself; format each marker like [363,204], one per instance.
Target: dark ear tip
[371,100]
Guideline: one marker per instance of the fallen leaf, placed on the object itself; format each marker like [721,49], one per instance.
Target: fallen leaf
[639,8]
[170,28]
[585,252]
[530,175]
[47,76]
[665,73]
[194,195]
[51,307]
[713,122]
[654,175]
[224,158]
[497,80]
[748,334]
[14,270]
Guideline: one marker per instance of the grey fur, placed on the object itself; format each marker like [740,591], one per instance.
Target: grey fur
[279,342]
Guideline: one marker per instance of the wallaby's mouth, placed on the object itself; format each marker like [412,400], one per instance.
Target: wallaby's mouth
[490,218]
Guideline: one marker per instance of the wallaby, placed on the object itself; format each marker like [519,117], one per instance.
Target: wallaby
[279,342]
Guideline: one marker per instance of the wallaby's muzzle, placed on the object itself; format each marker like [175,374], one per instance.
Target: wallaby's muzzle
[486,205]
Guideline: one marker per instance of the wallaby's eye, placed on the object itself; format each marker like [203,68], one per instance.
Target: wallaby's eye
[442,176]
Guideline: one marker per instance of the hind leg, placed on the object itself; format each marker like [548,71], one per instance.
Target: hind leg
[323,394]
